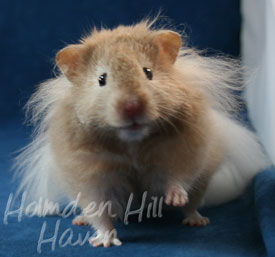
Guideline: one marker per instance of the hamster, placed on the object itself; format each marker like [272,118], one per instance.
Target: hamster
[135,110]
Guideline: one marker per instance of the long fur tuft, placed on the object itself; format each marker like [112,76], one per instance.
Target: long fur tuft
[34,166]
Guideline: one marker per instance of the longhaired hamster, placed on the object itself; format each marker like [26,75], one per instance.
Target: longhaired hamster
[134,110]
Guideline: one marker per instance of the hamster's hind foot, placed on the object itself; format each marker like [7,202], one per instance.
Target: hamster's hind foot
[194,219]
[80,221]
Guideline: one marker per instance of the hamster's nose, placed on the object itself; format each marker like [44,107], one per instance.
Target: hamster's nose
[132,108]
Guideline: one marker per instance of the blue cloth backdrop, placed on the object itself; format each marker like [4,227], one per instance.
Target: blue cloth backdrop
[31,32]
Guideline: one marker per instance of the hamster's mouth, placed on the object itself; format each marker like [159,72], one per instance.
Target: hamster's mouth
[133,132]
[134,126]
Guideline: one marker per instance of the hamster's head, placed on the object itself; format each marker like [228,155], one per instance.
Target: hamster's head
[123,80]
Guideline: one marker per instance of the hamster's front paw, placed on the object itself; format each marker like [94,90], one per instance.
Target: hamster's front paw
[176,195]
[105,239]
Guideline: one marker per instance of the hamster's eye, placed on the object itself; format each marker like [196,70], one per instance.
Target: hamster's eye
[148,73]
[102,79]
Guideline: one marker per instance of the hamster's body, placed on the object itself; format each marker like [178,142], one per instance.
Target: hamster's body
[131,114]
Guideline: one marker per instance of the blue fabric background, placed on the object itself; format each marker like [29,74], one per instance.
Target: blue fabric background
[31,32]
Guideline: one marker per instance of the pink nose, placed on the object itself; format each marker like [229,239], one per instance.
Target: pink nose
[133,108]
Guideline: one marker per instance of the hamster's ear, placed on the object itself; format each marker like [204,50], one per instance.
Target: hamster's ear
[71,61]
[168,43]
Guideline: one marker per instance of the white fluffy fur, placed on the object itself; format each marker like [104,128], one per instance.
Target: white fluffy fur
[243,160]
[35,165]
